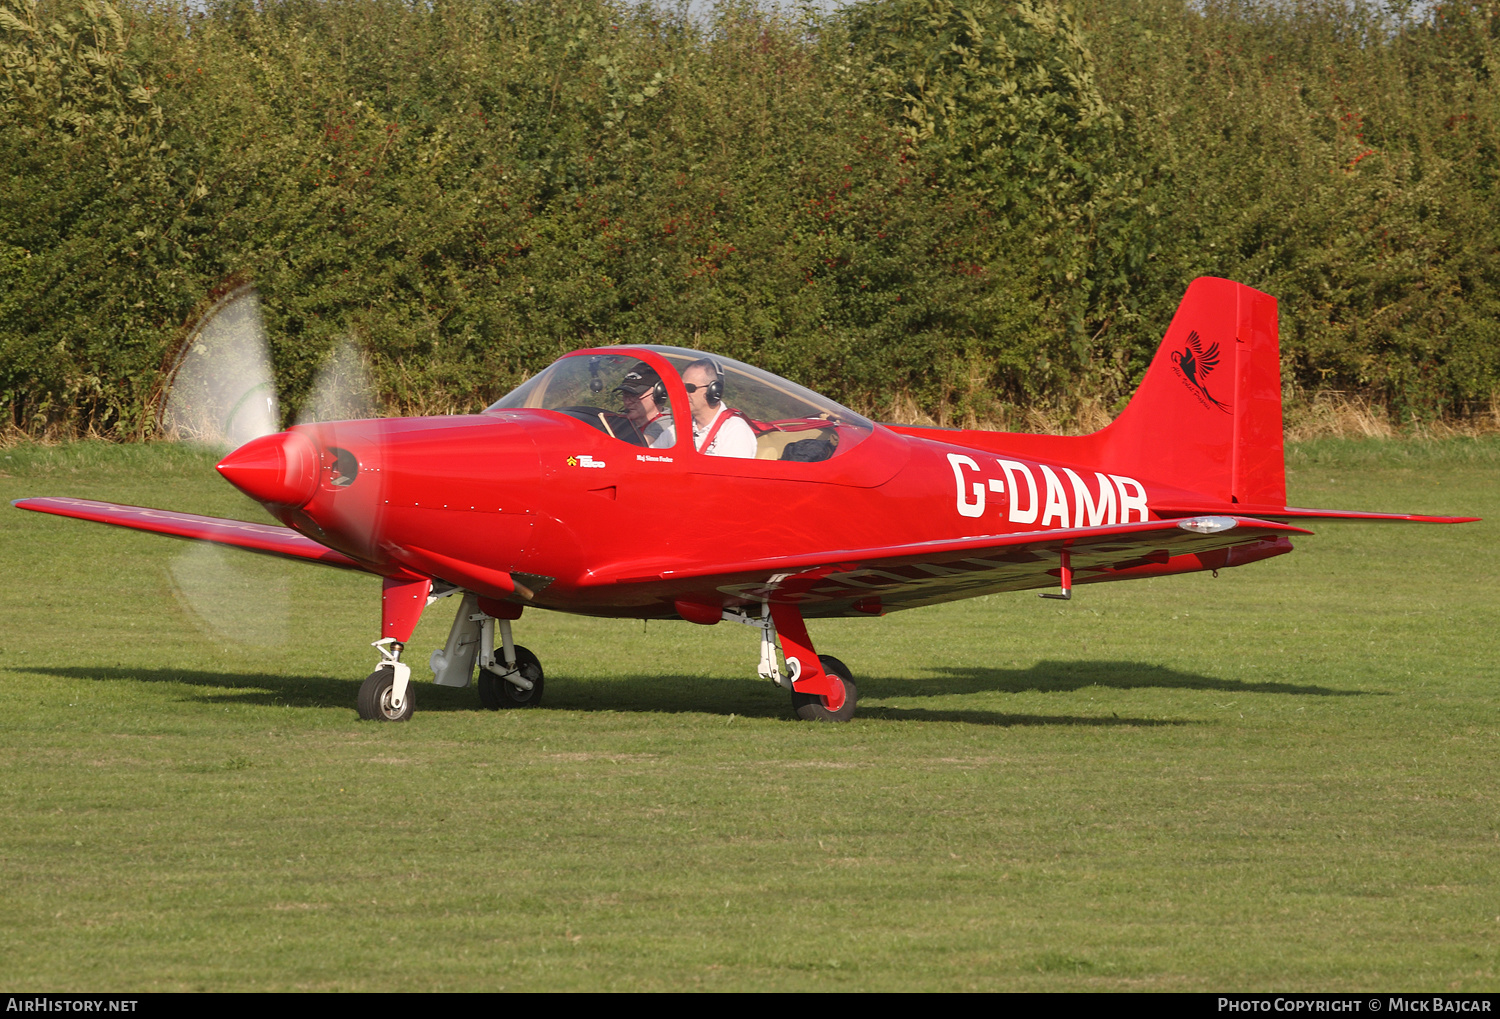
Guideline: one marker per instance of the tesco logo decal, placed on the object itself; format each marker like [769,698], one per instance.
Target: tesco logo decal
[1112,499]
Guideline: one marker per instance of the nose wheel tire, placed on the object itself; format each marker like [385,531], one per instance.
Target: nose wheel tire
[374,701]
[815,707]
[495,693]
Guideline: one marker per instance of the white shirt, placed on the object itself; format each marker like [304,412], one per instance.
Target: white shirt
[660,433]
[734,438]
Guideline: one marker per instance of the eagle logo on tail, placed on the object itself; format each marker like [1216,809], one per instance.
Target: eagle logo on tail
[1195,365]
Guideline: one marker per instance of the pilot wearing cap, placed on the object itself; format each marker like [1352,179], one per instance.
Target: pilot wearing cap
[644,399]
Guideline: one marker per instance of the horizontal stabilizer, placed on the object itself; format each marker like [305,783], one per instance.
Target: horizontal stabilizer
[266,539]
[1295,513]
[1186,509]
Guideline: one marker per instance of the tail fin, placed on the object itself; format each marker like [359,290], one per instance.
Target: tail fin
[1207,416]
[1205,425]
[1206,420]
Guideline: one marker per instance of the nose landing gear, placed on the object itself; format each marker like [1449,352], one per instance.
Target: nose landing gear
[386,695]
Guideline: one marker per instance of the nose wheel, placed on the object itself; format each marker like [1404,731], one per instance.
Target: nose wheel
[377,698]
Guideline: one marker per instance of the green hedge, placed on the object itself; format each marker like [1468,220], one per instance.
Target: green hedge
[967,209]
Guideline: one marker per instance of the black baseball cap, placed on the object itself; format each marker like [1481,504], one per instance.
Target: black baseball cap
[640,379]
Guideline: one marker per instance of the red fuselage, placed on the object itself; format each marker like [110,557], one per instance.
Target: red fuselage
[594,525]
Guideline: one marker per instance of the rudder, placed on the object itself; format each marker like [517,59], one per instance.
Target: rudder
[1207,415]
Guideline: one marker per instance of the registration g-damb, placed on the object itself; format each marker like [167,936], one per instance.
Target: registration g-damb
[1108,499]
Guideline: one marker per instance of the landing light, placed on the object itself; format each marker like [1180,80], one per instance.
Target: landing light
[1208,525]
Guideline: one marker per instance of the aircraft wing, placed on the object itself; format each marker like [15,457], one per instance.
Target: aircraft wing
[267,539]
[878,580]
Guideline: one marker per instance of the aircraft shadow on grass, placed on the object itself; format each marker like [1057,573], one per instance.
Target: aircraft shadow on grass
[743,697]
[1068,676]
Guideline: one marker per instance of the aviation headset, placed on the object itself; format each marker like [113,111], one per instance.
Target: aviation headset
[638,387]
[714,391]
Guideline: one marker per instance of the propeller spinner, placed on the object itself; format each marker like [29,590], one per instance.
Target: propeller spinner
[279,470]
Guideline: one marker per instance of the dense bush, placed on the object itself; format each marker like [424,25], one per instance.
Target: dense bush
[1344,161]
[911,204]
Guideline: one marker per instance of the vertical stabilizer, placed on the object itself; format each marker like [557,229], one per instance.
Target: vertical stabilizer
[1206,419]
[1207,416]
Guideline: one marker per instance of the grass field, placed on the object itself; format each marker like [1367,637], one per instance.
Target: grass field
[1284,778]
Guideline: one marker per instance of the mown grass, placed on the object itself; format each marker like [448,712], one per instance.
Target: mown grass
[1281,778]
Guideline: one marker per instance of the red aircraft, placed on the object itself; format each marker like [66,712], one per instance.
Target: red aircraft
[655,482]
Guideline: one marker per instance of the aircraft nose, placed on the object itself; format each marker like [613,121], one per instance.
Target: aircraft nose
[280,469]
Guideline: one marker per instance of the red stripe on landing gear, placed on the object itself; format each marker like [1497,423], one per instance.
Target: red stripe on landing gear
[796,644]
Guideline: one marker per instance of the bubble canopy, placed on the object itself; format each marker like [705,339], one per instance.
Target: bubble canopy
[592,386]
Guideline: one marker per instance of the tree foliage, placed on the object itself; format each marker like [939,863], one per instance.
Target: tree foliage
[916,203]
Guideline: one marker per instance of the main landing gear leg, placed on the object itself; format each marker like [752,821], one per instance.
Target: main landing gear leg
[822,688]
[509,675]
[512,679]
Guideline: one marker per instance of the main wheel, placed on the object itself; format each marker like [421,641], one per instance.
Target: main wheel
[374,701]
[818,708]
[495,693]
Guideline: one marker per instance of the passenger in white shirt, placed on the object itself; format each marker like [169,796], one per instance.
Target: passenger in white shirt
[717,430]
